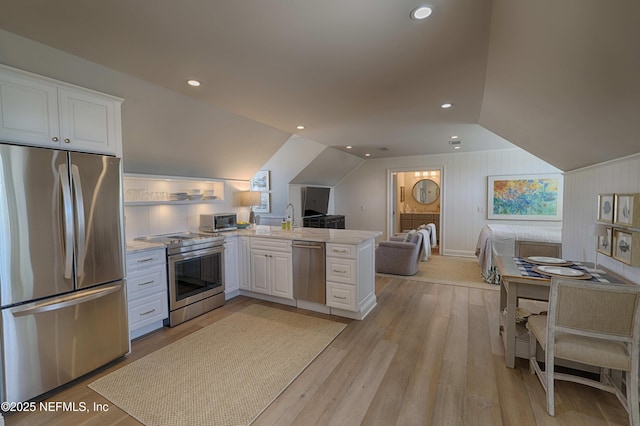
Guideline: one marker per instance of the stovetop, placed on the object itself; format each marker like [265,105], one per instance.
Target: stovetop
[185,239]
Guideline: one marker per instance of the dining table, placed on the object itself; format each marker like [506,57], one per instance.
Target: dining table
[530,278]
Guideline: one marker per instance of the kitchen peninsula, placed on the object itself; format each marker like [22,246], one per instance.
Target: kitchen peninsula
[265,267]
[259,263]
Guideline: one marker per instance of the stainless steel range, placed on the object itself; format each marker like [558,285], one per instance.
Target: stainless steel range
[195,267]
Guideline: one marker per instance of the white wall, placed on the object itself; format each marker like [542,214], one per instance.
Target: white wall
[362,196]
[581,208]
[285,164]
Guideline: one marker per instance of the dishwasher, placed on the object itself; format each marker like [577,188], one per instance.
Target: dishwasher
[309,271]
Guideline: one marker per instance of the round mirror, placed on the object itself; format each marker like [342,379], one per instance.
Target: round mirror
[426,191]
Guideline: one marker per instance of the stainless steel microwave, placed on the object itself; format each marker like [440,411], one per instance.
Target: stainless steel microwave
[218,222]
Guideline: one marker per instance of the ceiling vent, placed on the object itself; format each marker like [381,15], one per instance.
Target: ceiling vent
[455,142]
[384,148]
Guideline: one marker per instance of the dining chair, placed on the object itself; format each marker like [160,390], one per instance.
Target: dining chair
[597,324]
[537,248]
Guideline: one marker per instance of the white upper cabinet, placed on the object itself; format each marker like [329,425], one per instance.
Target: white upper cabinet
[42,112]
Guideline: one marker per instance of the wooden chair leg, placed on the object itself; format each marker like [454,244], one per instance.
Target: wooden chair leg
[633,404]
[533,345]
[549,373]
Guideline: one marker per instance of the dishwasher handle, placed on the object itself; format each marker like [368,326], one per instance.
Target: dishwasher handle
[310,246]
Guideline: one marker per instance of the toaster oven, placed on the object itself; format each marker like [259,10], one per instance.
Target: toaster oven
[218,222]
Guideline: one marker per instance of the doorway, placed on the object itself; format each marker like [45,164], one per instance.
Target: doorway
[415,198]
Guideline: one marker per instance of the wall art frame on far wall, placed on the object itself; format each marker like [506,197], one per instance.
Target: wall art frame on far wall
[627,210]
[525,197]
[260,181]
[626,247]
[606,208]
[605,243]
[265,204]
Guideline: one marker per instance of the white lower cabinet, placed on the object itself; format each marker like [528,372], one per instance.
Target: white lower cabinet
[350,278]
[147,291]
[231,272]
[272,267]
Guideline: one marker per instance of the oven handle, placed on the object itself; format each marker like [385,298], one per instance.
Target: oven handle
[197,253]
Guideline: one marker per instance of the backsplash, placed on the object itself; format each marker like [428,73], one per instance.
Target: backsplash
[143,220]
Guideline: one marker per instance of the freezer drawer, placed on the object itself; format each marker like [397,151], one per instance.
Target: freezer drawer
[51,342]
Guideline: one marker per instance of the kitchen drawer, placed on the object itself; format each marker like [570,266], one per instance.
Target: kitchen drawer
[341,270]
[341,250]
[142,260]
[271,244]
[341,296]
[147,310]
[144,283]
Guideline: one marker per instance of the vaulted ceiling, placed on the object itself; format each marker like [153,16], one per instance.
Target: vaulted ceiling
[557,78]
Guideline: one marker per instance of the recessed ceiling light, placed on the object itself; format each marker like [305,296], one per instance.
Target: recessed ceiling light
[421,12]
[194,83]
[456,147]
[348,147]
[454,137]
[300,127]
[446,105]
[367,155]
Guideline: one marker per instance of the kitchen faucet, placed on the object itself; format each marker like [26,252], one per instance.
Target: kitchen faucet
[292,216]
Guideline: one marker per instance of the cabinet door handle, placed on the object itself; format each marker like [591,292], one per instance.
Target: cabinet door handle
[146,283]
[148,312]
[145,260]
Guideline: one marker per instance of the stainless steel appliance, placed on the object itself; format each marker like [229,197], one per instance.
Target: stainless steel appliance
[62,292]
[195,265]
[218,222]
[309,271]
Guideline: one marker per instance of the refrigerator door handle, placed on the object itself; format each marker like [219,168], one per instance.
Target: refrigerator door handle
[64,301]
[67,214]
[81,231]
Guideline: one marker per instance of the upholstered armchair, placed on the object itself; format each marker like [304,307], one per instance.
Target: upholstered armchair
[398,257]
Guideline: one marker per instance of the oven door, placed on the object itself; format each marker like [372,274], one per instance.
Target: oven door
[195,275]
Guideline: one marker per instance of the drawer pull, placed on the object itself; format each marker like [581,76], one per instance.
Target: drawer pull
[339,250]
[148,312]
[338,297]
[146,283]
[145,260]
[339,272]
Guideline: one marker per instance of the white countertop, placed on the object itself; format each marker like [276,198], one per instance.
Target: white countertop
[136,246]
[341,236]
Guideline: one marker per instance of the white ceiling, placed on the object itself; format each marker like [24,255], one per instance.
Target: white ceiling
[362,73]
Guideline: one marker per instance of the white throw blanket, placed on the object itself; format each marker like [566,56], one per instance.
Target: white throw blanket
[429,240]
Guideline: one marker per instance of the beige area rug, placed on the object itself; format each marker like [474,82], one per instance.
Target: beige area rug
[450,270]
[225,374]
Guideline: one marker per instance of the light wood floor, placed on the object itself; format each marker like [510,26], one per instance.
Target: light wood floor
[428,354]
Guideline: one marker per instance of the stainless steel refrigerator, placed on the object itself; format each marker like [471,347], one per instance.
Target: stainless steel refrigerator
[62,292]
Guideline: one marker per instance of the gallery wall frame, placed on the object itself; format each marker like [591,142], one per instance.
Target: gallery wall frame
[525,197]
[265,204]
[606,208]
[605,242]
[626,247]
[260,181]
[627,210]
